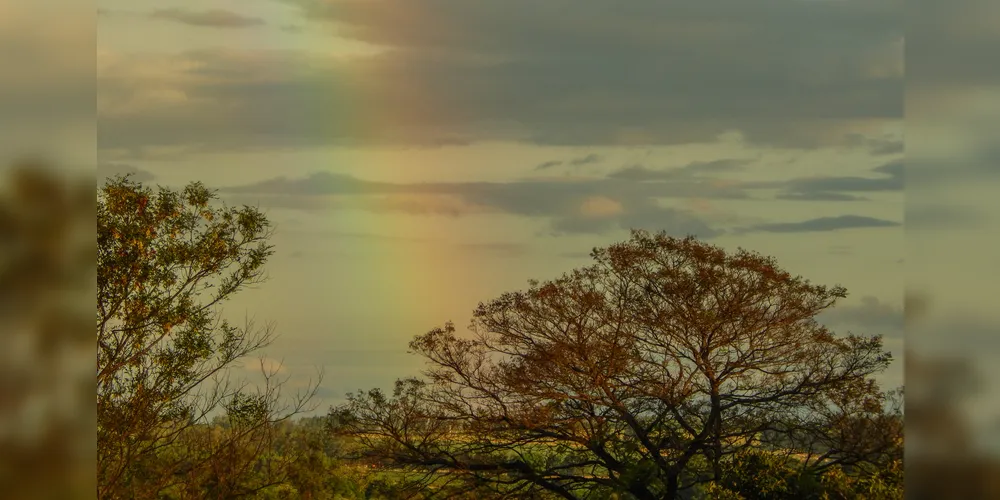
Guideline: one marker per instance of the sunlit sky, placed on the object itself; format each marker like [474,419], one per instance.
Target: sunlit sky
[421,156]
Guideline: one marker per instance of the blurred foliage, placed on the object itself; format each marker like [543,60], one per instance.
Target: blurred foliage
[46,353]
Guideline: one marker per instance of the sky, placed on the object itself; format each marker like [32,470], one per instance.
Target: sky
[419,157]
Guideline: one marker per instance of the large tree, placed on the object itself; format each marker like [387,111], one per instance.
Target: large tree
[166,263]
[642,375]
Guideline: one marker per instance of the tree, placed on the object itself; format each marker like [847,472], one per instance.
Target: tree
[166,262]
[638,376]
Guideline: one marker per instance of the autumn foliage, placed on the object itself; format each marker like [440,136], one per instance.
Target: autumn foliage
[645,374]
[166,263]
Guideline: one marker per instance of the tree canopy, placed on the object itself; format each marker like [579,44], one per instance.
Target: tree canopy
[645,374]
[167,261]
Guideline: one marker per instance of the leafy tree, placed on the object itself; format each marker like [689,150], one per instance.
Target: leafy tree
[166,262]
[646,372]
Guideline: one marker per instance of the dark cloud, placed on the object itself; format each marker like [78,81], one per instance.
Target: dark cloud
[638,173]
[548,164]
[214,18]
[107,170]
[892,181]
[894,170]
[586,160]
[783,72]
[890,178]
[951,47]
[641,173]
[871,314]
[574,162]
[824,224]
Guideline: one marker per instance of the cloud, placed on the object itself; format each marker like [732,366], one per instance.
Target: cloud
[522,195]
[890,178]
[819,196]
[891,181]
[871,314]
[955,48]
[823,224]
[674,221]
[647,216]
[877,146]
[886,147]
[548,164]
[571,204]
[641,173]
[574,162]
[106,170]
[782,72]
[586,160]
[583,205]
[214,18]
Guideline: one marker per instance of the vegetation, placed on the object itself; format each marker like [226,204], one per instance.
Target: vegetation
[643,374]
[166,261]
[667,369]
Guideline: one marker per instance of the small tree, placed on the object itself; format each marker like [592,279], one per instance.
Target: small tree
[643,372]
[166,262]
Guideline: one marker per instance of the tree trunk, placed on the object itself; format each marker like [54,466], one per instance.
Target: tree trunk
[641,492]
[716,435]
[673,485]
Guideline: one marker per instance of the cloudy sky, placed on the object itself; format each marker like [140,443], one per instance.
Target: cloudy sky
[421,156]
